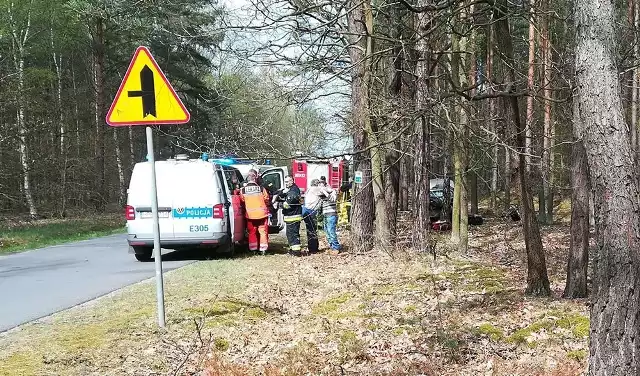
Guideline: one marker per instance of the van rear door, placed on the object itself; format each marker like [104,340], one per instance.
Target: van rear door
[230,177]
[198,205]
[273,180]
[139,197]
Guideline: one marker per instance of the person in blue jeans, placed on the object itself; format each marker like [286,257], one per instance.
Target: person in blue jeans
[312,202]
[330,218]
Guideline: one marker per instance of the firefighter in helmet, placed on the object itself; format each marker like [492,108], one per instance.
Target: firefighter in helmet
[256,203]
[291,199]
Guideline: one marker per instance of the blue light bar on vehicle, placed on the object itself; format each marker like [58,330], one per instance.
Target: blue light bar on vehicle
[224,161]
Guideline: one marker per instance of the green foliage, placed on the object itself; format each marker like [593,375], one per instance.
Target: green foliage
[247,113]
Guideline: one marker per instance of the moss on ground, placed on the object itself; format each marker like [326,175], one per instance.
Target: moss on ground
[576,324]
[221,344]
[331,305]
[350,346]
[493,332]
[578,355]
[227,313]
[20,363]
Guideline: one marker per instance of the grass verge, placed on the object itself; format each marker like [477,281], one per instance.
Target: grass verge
[36,234]
[321,315]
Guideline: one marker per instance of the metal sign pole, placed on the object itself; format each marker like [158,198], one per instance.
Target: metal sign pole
[157,254]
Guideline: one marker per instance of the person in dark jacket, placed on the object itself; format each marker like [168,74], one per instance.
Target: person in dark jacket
[291,199]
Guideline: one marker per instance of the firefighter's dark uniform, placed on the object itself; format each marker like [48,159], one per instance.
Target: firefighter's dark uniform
[292,212]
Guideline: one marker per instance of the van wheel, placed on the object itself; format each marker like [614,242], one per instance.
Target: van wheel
[143,254]
[228,249]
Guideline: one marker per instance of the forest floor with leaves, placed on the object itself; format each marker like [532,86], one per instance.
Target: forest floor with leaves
[378,313]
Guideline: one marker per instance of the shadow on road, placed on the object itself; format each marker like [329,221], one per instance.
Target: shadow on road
[203,254]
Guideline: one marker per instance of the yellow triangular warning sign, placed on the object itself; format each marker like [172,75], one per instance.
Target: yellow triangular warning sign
[145,96]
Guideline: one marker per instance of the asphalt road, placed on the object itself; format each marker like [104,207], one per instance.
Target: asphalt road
[37,283]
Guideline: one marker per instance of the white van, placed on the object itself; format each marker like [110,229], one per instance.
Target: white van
[196,205]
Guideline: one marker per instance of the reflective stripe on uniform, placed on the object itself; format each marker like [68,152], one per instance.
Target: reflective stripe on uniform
[253,246]
[293,218]
[296,247]
[264,247]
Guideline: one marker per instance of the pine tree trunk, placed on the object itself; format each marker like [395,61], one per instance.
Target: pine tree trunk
[576,286]
[76,111]
[614,337]
[422,133]
[546,203]
[100,193]
[506,204]
[132,155]
[20,38]
[421,172]
[382,226]
[57,63]
[362,212]
[537,278]
[404,179]
[530,83]
[122,196]
[635,83]
[457,190]
[492,123]
[459,75]
[392,185]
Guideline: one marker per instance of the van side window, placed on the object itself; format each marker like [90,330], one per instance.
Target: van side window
[226,177]
[271,182]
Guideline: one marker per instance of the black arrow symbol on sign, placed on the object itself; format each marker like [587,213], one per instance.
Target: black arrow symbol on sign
[147,92]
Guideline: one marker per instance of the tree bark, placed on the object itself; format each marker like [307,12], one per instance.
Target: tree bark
[615,305]
[492,123]
[392,186]
[76,110]
[530,82]
[122,192]
[546,204]
[507,176]
[537,278]
[19,39]
[132,155]
[57,63]
[576,286]
[362,216]
[375,137]
[635,82]
[404,180]
[459,227]
[100,193]
[422,134]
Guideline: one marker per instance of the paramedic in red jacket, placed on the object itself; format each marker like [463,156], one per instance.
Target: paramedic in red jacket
[256,201]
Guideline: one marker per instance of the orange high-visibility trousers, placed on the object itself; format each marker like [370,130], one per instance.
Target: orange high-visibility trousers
[259,227]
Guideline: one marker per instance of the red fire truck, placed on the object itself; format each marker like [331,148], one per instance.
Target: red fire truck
[304,170]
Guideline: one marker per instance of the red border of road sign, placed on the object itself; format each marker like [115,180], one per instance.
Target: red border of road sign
[164,78]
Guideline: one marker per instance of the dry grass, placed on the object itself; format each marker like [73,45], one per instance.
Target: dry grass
[347,315]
